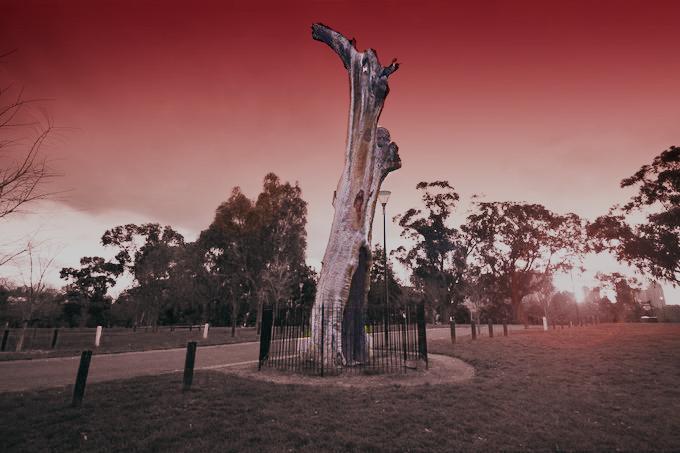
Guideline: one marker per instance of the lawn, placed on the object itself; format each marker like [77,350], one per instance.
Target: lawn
[38,341]
[605,387]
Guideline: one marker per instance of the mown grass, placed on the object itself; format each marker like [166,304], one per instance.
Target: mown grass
[71,342]
[600,388]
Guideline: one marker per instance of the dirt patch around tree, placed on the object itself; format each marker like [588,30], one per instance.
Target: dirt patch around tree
[441,369]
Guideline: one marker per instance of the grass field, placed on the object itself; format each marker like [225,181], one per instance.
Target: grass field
[38,342]
[599,388]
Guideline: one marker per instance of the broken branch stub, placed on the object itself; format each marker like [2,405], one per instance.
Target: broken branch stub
[369,156]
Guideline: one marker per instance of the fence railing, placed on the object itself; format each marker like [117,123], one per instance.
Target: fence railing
[326,342]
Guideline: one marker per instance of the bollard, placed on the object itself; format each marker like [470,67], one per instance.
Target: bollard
[505,328]
[453,330]
[472,329]
[81,378]
[98,336]
[205,331]
[20,342]
[189,366]
[4,340]
[545,323]
[490,329]
[55,336]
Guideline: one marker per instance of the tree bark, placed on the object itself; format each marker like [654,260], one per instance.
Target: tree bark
[369,156]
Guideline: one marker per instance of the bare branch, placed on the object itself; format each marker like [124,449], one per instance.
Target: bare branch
[341,45]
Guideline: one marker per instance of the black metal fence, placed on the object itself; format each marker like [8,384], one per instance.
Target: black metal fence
[373,342]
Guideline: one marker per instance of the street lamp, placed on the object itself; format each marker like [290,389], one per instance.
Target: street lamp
[383,197]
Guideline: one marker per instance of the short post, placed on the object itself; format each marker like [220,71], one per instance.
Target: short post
[81,378]
[571,324]
[5,336]
[545,324]
[55,337]
[189,366]
[453,330]
[98,336]
[205,331]
[20,342]
[490,328]
[554,325]
[505,328]
[472,329]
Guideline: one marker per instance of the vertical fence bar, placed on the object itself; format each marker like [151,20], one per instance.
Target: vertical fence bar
[323,328]
[403,338]
[265,336]
[422,334]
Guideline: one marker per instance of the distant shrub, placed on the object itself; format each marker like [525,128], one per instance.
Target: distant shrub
[670,313]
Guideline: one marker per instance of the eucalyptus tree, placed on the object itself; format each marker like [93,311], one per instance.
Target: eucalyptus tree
[439,254]
[147,253]
[517,241]
[651,244]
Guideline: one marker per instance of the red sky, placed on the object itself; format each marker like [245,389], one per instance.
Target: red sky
[165,106]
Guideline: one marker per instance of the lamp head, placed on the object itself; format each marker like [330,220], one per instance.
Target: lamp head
[383,196]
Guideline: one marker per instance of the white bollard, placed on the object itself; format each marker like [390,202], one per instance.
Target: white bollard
[98,336]
[205,331]
[545,323]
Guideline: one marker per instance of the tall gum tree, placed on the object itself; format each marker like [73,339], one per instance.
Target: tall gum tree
[338,311]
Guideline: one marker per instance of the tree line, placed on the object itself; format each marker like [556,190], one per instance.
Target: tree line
[497,263]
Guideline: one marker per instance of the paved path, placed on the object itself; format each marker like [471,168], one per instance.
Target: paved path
[20,375]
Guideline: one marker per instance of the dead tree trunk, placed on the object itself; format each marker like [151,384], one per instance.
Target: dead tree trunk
[369,157]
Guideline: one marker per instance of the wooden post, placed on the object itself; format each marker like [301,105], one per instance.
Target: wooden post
[205,331]
[55,337]
[505,328]
[20,342]
[81,378]
[234,315]
[98,336]
[189,366]
[490,328]
[453,330]
[5,336]
[472,330]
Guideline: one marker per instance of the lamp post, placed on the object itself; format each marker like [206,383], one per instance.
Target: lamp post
[383,197]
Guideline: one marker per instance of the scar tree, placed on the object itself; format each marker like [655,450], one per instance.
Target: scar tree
[338,312]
